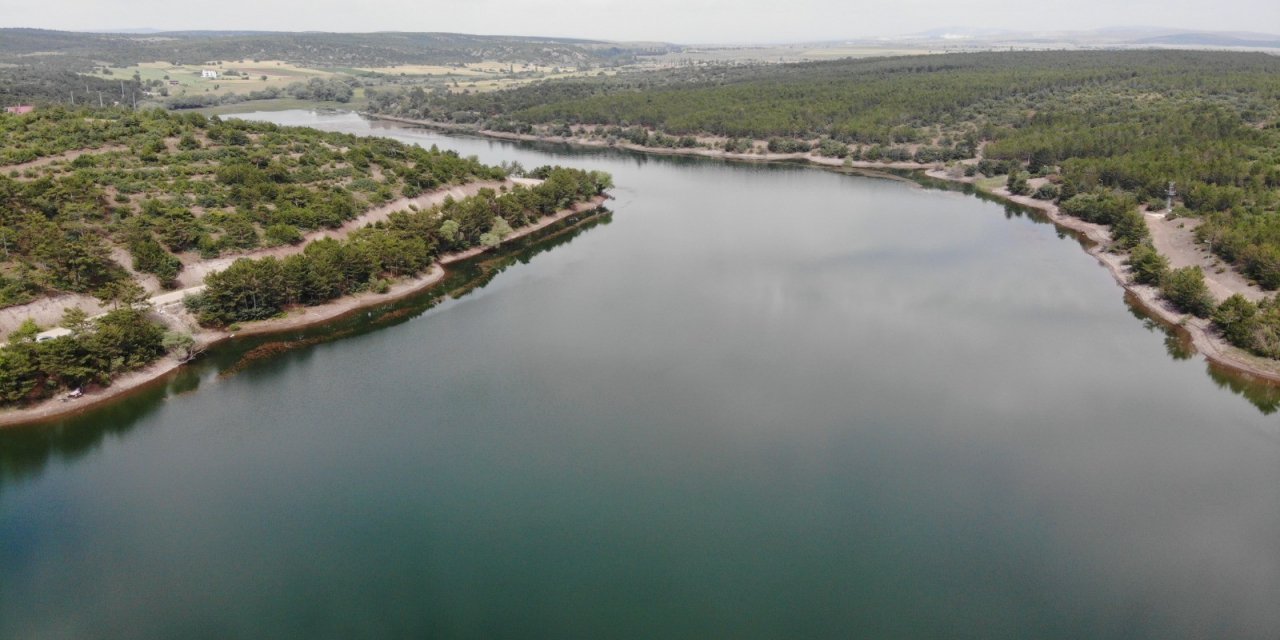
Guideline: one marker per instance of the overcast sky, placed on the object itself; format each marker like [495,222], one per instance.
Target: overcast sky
[683,21]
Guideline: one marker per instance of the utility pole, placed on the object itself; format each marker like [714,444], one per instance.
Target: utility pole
[73,98]
[99,99]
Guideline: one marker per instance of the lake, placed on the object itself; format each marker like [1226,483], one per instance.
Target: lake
[752,401]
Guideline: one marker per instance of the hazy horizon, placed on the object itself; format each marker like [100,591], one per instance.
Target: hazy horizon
[685,21]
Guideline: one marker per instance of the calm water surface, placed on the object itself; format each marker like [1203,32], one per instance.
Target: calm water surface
[752,402]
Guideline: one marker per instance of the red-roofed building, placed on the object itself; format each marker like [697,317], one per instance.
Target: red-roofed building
[20,109]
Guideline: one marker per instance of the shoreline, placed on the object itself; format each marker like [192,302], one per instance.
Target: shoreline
[294,319]
[1203,338]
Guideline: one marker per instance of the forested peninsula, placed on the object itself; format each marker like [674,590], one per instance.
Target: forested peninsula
[1170,158]
[131,240]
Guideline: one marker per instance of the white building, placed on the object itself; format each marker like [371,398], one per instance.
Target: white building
[209,73]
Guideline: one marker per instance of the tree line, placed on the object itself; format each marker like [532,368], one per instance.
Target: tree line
[93,353]
[406,244]
[1108,131]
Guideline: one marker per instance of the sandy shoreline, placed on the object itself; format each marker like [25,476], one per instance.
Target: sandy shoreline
[299,318]
[1203,337]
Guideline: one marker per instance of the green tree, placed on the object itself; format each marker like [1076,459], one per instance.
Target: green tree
[1147,265]
[26,332]
[1235,318]
[1186,289]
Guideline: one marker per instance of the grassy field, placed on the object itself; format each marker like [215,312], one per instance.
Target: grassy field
[474,77]
[990,184]
[278,74]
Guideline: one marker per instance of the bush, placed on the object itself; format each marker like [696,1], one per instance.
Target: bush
[1253,327]
[788,145]
[281,234]
[1130,229]
[1147,265]
[833,148]
[1017,184]
[1234,318]
[1186,289]
[1046,192]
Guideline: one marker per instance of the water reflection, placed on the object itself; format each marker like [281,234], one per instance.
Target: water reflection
[767,401]
[26,451]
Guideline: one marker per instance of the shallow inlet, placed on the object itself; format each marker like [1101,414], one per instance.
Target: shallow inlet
[755,401]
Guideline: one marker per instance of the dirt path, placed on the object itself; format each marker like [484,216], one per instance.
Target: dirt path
[168,307]
[194,269]
[1175,239]
[67,156]
[47,312]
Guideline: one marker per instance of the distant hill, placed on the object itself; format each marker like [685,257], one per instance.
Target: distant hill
[1260,41]
[71,49]
[1119,36]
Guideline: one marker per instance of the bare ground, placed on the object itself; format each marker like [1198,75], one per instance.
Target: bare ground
[1175,239]
[194,269]
[47,312]
[67,156]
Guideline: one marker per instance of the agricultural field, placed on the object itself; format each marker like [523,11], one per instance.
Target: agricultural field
[233,76]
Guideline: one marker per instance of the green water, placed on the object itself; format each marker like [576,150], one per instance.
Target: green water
[750,402]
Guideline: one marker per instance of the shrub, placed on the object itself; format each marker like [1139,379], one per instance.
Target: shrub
[1017,184]
[1147,265]
[1186,289]
[1046,192]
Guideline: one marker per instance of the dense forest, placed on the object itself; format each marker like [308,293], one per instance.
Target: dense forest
[93,353]
[38,46]
[40,86]
[405,245]
[1108,131]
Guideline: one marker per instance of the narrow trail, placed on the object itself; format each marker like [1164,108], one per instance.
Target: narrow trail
[48,311]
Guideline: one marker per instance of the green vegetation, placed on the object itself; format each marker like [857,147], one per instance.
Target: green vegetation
[92,354]
[336,90]
[1105,132]
[1148,267]
[1253,327]
[169,188]
[50,85]
[166,70]
[1116,209]
[1186,289]
[405,245]
[315,49]
[1114,127]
